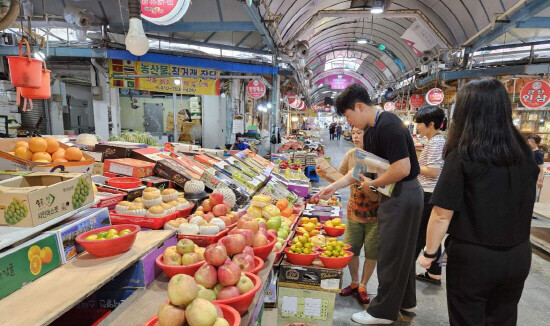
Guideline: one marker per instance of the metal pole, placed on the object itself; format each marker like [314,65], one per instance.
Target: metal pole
[275,91]
[174,105]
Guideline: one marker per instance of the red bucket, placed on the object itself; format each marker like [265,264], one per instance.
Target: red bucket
[41,93]
[25,71]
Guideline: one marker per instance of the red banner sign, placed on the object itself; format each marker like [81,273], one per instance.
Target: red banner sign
[401,105]
[164,12]
[535,94]
[416,101]
[389,106]
[435,96]
[256,89]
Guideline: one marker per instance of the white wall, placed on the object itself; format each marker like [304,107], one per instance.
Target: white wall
[133,118]
[213,121]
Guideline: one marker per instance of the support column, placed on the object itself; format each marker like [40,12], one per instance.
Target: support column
[275,103]
[101,107]
[56,109]
[115,111]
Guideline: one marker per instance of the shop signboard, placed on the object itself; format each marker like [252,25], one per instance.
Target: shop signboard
[185,80]
[255,89]
[435,96]
[416,101]
[163,12]
[389,106]
[302,105]
[294,101]
[535,94]
[401,104]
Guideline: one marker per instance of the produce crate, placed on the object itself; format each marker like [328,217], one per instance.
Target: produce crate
[110,201]
[145,222]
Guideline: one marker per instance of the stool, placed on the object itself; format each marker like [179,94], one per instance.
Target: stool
[311,174]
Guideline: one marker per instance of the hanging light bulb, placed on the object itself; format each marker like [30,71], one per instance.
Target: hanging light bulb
[136,41]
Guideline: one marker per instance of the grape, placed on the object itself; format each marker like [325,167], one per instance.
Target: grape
[16,212]
[81,192]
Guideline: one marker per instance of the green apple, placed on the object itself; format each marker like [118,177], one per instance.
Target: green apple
[111,236]
[91,237]
[273,224]
[101,235]
[282,234]
[286,228]
[112,231]
[124,232]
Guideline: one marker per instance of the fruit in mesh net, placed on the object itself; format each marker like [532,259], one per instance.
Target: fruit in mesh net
[81,192]
[15,212]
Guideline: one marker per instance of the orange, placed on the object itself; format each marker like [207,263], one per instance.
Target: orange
[46,255]
[53,145]
[282,204]
[38,144]
[23,152]
[73,154]
[42,161]
[287,211]
[33,251]
[60,160]
[11,153]
[41,156]
[35,265]
[21,143]
[60,153]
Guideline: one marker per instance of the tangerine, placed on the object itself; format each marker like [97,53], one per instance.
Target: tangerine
[46,255]
[41,156]
[21,143]
[73,154]
[53,145]
[282,204]
[35,265]
[60,153]
[37,144]
[287,211]
[60,160]
[33,251]
[23,152]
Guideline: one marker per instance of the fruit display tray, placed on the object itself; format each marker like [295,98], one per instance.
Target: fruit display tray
[109,201]
[154,223]
[205,240]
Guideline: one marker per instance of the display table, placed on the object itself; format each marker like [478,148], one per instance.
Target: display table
[144,303]
[47,298]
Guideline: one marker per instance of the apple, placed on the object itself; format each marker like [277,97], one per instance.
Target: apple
[248,251]
[215,254]
[201,312]
[199,213]
[248,235]
[262,224]
[245,284]
[200,252]
[182,289]
[227,205]
[282,234]
[277,247]
[171,258]
[234,243]
[260,240]
[219,210]
[246,262]
[220,321]
[217,288]
[208,216]
[216,199]
[248,224]
[229,273]
[206,206]
[185,246]
[228,292]
[226,219]
[171,248]
[170,315]
[206,276]
[190,258]
[264,232]
[207,294]
[234,217]
[273,224]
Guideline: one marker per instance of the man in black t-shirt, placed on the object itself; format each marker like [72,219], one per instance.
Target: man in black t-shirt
[534,141]
[399,215]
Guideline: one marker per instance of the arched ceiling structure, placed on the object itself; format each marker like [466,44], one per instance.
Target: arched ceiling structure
[332,27]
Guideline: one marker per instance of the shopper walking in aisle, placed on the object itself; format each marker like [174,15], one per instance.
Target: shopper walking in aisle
[338,131]
[484,199]
[398,215]
[429,120]
[332,130]
[361,225]
[534,142]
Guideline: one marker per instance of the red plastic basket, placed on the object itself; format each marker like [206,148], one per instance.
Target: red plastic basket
[334,232]
[243,301]
[145,222]
[264,251]
[229,313]
[300,259]
[109,247]
[124,182]
[336,262]
[279,254]
[204,240]
[185,212]
[259,265]
[111,201]
[171,270]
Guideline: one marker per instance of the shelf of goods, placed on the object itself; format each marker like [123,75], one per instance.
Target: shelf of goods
[144,303]
[47,298]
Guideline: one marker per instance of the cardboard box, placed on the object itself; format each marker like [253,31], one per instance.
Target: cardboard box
[310,277]
[143,272]
[156,182]
[305,306]
[115,150]
[129,167]
[97,156]
[44,196]
[172,170]
[149,154]
[15,266]
[330,171]
[11,162]
[206,159]
[98,168]
[105,299]
[67,231]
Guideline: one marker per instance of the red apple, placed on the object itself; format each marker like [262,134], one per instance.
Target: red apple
[245,262]
[208,216]
[216,199]
[227,220]
[272,232]
[260,240]
[215,254]
[171,315]
[248,251]
[171,258]
[245,284]
[234,243]
[206,205]
[228,205]
[263,231]
[251,225]
[248,235]
[219,210]
[262,224]
[229,274]
[182,289]
[228,292]
[206,276]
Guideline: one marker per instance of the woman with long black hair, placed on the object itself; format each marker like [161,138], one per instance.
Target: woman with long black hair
[484,199]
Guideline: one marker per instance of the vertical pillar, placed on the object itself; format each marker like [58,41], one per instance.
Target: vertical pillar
[115,110]
[56,110]
[275,102]
[101,107]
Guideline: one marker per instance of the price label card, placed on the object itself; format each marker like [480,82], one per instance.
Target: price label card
[312,307]
[290,306]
